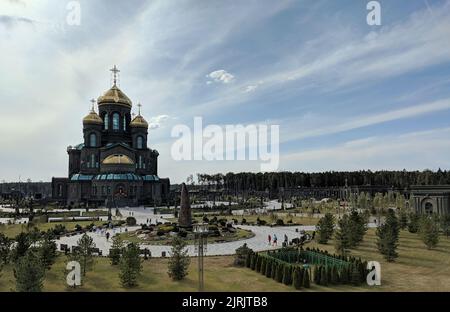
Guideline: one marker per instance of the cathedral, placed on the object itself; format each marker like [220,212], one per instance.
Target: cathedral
[113,166]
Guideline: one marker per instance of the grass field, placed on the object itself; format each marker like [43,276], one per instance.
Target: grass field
[14,229]
[416,269]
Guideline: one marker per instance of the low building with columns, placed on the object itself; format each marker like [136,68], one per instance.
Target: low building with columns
[431,199]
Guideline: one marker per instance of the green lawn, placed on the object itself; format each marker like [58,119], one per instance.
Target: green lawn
[14,229]
[416,269]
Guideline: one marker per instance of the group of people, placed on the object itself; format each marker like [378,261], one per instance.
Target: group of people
[273,240]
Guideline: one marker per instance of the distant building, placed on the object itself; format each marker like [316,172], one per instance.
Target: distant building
[36,190]
[431,199]
[113,166]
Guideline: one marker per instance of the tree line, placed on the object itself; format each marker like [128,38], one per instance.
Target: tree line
[272,181]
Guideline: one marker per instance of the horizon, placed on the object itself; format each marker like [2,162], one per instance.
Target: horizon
[347,96]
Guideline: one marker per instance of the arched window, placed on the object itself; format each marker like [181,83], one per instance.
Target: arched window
[124,123]
[106,121]
[92,161]
[140,142]
[115,121]
[92,140]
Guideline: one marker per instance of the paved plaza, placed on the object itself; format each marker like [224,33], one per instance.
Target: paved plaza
[257,243]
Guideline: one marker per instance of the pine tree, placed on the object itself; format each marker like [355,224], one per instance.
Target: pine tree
[269,268]
[179,259]
[341,236]
[323,276]
[248,259]
[414,220]
[356,278]
[343,275]
[253,261]
[23,243]
[429,232]
[47,252]
[130,265]
[317,271]
[306,281]
[287,275]
[297,278]
[83,254]
[274,269]
[5,245]
[29,272]
[263,265]
[258,263]
[325,228]
[388,237]
[116,250]
[280,271]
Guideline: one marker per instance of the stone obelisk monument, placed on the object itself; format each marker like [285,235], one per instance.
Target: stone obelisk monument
[185,217]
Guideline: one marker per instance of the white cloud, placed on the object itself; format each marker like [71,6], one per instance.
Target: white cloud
[156,122]
[221,76]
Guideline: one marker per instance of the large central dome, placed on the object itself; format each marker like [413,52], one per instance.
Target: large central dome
[114,96]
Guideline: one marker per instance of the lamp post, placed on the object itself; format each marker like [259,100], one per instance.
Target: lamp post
[201,238]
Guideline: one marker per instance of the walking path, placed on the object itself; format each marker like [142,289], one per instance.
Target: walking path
[258,243]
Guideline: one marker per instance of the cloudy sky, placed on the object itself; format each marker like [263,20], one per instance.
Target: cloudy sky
[347,96]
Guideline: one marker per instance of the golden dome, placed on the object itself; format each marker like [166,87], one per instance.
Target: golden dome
[118,159]
[139,121]
[93,118]
[114,96]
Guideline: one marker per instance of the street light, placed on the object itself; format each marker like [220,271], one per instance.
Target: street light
[201,238]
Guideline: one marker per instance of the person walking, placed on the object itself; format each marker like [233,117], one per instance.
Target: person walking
[107,236]
[269,238]
[275,240]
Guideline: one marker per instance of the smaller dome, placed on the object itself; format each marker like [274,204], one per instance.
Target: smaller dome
[118,159]
[139,122]
[93,118]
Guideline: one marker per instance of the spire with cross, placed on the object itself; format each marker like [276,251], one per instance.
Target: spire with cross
[115,72]
[139,108]
[92,107]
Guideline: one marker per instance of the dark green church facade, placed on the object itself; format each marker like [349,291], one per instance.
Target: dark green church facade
[113,166]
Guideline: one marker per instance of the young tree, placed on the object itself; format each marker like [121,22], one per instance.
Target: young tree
[29,273]
[179,260]
[280,271]
[325,228]
[341,236]
[388,237]
[83,253]
[130,265]
[47,252]
[116,250]
[263,265]
[306,281]
[445,224]
[414,220]
[23,243]
[5,245]
[298,277]
[357,228]
[287,275]
[429,232]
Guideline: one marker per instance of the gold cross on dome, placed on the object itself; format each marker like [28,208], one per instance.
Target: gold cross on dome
[93,103]
[115,71]
[139,105]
